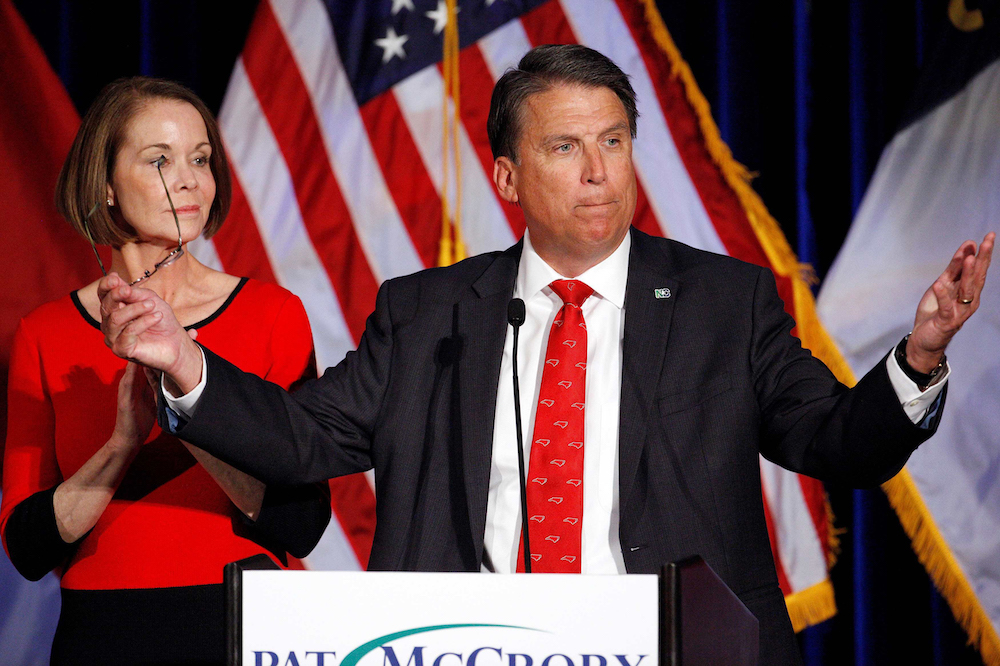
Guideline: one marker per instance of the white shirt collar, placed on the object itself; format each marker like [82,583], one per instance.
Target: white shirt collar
[607,279]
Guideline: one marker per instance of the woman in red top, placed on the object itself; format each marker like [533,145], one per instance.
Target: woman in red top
[138,523]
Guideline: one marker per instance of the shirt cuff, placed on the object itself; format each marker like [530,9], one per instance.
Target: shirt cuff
[185,405]
[914,401]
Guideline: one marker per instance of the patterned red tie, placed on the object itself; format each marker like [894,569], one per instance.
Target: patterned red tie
[555,469]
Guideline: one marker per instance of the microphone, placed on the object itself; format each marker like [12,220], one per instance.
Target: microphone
[515,313]
[515,317]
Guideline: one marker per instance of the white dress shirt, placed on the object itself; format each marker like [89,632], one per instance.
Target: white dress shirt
[604,313]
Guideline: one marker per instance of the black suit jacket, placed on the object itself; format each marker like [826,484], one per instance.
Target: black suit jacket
[711,377]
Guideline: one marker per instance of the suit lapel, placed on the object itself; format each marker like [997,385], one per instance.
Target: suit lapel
[649,305]
[481,325]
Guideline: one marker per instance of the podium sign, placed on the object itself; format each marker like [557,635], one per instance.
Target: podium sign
[331,618]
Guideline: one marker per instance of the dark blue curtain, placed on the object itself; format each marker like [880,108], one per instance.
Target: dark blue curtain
[806,94]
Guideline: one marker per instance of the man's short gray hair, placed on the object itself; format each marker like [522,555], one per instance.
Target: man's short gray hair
[540,69]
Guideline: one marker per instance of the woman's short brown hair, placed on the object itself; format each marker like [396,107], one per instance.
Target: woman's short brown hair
[83,181]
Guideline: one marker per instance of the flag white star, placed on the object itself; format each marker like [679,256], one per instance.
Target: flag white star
[397,5]
[392,45]
[440,16]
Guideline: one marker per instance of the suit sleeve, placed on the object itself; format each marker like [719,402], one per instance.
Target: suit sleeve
[293,517]
[811,423]
[30,470]
[321,431]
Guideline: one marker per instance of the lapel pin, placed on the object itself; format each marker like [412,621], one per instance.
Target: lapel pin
[662,292]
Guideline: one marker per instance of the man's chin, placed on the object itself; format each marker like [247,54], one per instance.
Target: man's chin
[601,227]
[603,239]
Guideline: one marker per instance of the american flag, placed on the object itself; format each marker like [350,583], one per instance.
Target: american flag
[334,123]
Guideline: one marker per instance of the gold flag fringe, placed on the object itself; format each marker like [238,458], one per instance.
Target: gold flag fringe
[811,606]
[816,603]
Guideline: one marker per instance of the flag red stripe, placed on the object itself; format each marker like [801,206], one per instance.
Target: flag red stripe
[477,89]
[786,587]
[815,496]
[238,242]
[547,24]
[411,187]
[286,103]
[354,505]
[644,218]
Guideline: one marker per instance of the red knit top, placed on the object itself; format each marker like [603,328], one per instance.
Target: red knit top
[169,524]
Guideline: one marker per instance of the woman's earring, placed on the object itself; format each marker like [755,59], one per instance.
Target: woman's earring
[110,202]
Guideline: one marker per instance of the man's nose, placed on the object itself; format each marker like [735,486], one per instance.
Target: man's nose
[594,172]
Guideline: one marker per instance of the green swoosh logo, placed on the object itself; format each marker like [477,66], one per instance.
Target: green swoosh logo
[359,652]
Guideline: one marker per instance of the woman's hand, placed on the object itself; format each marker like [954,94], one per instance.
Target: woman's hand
[80,500]
[136,408]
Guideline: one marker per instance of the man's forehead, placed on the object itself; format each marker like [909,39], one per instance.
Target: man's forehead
[565,103]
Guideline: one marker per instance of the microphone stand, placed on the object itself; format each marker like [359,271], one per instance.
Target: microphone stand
[515,317]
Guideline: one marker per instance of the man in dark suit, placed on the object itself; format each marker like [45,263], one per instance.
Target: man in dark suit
[681,395]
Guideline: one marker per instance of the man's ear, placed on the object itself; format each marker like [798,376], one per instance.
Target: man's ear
[504,178]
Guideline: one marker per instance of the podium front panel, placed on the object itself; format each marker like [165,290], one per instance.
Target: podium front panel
[328,618]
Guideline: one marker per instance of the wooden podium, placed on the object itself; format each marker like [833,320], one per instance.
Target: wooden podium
[684,617]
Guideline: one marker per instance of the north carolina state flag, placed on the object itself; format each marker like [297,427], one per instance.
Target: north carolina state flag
[937,184]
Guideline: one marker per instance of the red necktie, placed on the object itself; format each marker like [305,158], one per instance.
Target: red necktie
[555,468]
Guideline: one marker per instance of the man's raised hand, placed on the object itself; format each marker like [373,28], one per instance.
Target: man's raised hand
[139,326]
[948,304]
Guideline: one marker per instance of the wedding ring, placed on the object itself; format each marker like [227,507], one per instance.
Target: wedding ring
[965,301]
